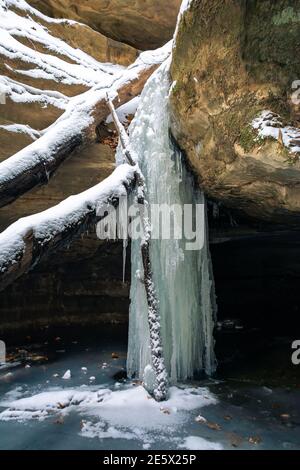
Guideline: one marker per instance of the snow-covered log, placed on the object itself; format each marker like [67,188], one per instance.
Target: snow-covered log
[27,241]
[35,164]
[160,389]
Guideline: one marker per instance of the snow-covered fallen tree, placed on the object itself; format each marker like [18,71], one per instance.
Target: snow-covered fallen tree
[24,243]
[35,164]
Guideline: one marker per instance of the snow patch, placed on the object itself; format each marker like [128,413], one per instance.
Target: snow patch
[130,409]
[125,110]
[21,93]
[84,69]
[185,5]
[23,5]
[198,443]
[67,375]
[124,414]
[269,124]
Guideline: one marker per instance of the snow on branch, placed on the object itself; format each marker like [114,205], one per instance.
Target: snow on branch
[35,164]
[20,93]
[24,243]
[21,129]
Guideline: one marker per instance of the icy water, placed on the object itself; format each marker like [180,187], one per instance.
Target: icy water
[242,409]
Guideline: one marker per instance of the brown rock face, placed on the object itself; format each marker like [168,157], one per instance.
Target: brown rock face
[144,24]
[231,63]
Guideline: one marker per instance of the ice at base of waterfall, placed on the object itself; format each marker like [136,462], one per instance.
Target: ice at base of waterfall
[127,413]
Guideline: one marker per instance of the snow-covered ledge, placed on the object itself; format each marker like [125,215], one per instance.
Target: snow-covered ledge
[270,125]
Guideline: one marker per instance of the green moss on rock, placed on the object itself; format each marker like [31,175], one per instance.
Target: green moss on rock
[286,16]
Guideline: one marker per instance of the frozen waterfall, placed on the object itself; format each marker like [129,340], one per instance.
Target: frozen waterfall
[183,278]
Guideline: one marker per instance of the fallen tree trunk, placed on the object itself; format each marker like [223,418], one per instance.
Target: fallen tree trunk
[26,242]
[157,356]
[35,164]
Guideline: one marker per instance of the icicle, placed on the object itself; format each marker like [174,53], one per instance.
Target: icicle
[122,227]
[46,172]
[124,258]
[183,278]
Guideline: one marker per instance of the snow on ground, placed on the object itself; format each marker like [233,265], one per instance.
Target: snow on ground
[26,27]
[198,443]
[269,124]
[49,67]
[128,413]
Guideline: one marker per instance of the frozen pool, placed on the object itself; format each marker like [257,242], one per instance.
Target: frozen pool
[97,408]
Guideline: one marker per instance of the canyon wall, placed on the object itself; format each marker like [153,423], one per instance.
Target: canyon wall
[234,62]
